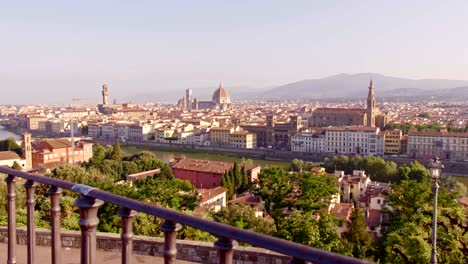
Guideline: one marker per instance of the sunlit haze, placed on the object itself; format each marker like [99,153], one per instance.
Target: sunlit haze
[53,51]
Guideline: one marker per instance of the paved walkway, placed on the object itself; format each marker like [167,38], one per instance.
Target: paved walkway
[72,256]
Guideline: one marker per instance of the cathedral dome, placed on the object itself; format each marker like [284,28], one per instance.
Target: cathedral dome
[221,96]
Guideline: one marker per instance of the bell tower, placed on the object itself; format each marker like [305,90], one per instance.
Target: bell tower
[371,105]
[27,150]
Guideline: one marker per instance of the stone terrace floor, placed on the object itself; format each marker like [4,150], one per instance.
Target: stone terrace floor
[72,256]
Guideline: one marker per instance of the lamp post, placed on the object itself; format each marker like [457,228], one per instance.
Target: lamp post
[435,167]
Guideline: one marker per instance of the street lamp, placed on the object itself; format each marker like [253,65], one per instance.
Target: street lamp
[435,167]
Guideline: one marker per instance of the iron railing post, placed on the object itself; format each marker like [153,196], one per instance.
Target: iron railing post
[88,223]
[31,232]
[298,261]
[170,229]
[225,248]
[55,213]
[127,216]
[11,208]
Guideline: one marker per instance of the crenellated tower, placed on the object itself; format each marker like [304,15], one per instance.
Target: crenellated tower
[105,94]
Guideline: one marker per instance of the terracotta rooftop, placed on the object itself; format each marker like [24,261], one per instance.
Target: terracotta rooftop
[373,217]
[142,175]
[58,143]
[8,155]
[352,128]
[342,210]
[246,198]
[207,194]
[437,134]
[340,110]
[203,165]
[463,201]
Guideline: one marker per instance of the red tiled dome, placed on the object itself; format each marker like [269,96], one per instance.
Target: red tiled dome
[221,95]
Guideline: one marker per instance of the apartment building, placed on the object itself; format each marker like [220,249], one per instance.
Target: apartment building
[308,142]
[33,122]
[242,140]
[445,145]
[354,140]
[219,136]
[352,187]
[49,152]
[393,141]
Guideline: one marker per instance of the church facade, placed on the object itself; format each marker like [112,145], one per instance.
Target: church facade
[370,116]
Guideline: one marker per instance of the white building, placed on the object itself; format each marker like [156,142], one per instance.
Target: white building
[341,140]
[8,158]
[213,199]
[141,132]
[446,146]
[355,140]
[352,187]
[308,142]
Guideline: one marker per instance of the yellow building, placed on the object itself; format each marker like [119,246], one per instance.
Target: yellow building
[33,122]
[392,141]
[219,136]
[243,140]
[232,137]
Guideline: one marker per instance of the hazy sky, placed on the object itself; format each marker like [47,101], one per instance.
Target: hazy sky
[52,51]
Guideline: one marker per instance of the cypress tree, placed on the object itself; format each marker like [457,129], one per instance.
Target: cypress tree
[117,152]
[357,234]
[237,175]
[224,181]
[245,177]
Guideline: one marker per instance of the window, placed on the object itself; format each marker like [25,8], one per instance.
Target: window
[378,201]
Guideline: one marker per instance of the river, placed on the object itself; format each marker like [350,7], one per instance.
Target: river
[6,134]
[166,155]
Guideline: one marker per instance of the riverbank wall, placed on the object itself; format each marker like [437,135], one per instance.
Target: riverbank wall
[458,168]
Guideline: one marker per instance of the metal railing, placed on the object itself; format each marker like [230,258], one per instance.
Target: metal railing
[91,199]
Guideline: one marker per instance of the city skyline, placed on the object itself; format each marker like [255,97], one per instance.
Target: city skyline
[58,51]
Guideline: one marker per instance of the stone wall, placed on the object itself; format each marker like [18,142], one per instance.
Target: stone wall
[195,251]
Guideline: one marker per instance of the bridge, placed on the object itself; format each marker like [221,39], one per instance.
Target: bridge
[88,203]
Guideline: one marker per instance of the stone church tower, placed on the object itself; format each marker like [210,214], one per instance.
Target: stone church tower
[371,110]
[27,150]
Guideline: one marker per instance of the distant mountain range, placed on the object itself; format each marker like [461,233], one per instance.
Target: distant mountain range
[332,87]
[355,86]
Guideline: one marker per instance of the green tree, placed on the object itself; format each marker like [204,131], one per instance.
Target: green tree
[116,153]
[414,171]
[410,228]
[274,188]
[299,227]
[357,234]
[329,237]
[315,191]
[236,174]
[243,216]
[99,154]
[245,179]
[16,166]
[296,165]
[302,227]
[9,144]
